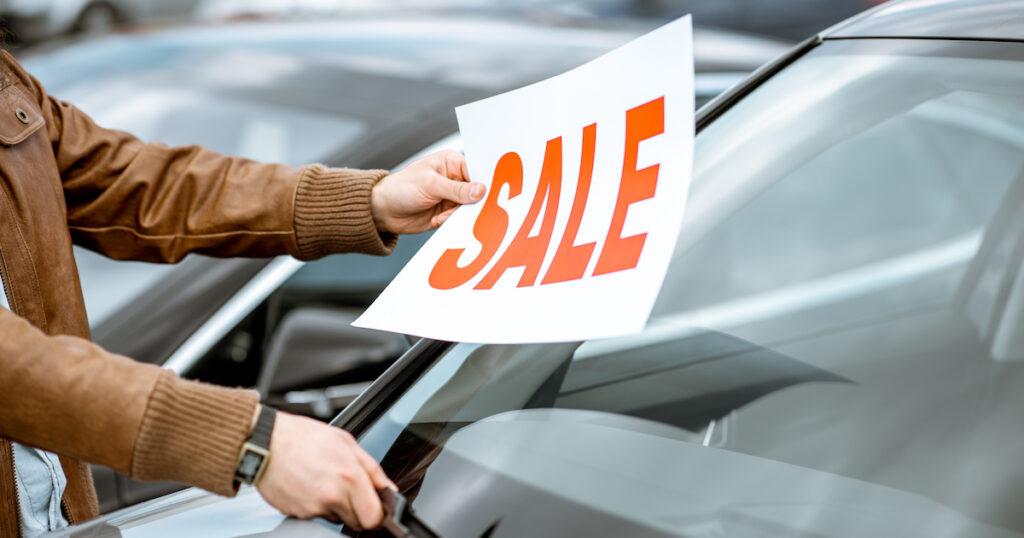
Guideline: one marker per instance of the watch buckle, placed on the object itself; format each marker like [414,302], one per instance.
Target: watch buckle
[264,462]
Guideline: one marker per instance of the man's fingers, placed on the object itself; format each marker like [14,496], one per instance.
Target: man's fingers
[365,502]
[341,510]
[441,217]
[455,165]
[462,192]
[374,470]
[463,167]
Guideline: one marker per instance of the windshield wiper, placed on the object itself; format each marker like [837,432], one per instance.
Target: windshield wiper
[400,519]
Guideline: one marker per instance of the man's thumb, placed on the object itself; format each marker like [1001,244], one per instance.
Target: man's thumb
[462,192]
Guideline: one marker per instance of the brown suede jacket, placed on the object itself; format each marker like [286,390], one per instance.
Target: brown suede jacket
[65,180]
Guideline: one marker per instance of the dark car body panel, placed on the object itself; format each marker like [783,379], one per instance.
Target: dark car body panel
[156,321]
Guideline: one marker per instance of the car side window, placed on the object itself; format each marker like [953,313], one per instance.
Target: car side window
[299,348]
[356,271]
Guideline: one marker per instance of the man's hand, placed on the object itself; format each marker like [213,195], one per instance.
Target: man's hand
[423,194]
[318,470]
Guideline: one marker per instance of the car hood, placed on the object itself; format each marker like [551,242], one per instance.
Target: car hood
[194,512]
[571,472]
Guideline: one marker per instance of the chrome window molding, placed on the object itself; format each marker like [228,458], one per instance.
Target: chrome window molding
[233,311]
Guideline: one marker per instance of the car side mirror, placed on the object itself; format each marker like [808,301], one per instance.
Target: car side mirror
[317,362]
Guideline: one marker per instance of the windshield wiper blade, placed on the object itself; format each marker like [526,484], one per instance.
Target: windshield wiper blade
[399,518]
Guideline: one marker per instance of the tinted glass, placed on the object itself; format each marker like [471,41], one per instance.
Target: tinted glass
[355,273]
[837,349]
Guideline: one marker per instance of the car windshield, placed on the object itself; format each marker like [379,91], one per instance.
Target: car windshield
[838,348]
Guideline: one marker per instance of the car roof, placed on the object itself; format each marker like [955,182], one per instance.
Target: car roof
[937,19]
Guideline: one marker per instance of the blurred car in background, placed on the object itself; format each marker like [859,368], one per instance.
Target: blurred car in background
[35,20]
[837,349]
[366,91]
[784,19]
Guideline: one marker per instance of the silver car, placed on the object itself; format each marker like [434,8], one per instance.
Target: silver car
[368,91]
[838,349]
[34,20]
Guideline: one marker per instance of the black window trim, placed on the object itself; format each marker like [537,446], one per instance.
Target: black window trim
[392,383]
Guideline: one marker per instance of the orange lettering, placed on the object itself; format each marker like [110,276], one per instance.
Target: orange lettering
[489,228]
[570,261]
[621,253]
[526,251]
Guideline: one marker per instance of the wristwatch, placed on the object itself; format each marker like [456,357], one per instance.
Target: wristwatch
[255,454]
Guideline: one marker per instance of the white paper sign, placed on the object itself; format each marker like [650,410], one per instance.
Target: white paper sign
[588,175]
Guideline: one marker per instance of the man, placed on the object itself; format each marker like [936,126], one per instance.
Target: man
[65,180]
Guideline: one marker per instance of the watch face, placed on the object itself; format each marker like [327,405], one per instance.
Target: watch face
[250,464]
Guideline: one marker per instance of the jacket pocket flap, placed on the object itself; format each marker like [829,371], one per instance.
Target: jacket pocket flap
[19,116]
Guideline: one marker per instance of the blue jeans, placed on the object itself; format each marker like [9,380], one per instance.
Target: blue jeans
[41,483]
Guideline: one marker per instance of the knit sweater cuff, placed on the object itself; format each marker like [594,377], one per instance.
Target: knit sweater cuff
[192,432]
[332,213]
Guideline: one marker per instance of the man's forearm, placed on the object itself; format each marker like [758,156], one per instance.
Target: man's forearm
[67,395]
[129,199]
[333,213]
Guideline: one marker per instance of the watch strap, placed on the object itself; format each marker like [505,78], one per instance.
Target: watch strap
[255,454]
[264,427]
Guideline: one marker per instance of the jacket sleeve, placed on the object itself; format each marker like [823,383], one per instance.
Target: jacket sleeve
[66,395]
[145,201]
